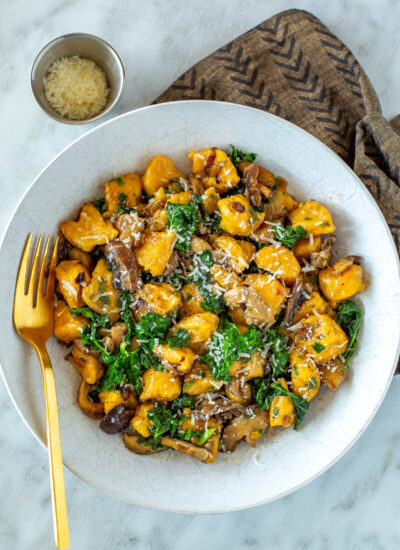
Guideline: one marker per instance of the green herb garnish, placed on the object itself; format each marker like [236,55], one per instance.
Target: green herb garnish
[318,347]
[227,344]
[183,218]
[180,339]
[200,276]
[349,316]
[237,156]
[122,206]
[101,205]
[289,236]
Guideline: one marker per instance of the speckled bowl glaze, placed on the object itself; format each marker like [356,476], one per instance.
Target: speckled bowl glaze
[283,461]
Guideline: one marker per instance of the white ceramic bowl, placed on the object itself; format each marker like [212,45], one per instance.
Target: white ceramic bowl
[283,461]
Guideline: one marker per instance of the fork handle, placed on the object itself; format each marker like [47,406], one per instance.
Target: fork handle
[60,520]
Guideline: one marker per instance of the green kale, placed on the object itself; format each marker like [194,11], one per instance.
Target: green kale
[183,218]
[163,422]
[279,352]
[152,326]
[200,276]
[183,401]
[237,156]
[301,405]
[264,391]
[289,236]
[349,316]
[176,279]
[211,221]
[226,346]
[180,339]
[101,205]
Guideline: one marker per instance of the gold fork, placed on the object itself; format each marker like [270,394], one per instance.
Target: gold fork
[34,320]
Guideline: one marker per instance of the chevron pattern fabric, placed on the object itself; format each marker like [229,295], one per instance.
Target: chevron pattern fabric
[292,66]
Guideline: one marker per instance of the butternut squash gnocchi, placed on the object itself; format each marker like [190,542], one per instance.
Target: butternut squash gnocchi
[203,308]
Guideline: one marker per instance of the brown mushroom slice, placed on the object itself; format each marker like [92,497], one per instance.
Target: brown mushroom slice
[130,228]
[321,259]
[84,349]
[195,451]
[256,311]
[124,265]
[250,178]
[218,405]
[264,234]
[172,265]
[243,426]
[131,442]
[94,410]
[240,391]
[297,296]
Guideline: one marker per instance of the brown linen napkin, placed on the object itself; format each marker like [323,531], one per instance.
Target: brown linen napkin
[294,67]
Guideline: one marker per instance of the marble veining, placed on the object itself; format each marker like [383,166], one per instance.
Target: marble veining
[353,506]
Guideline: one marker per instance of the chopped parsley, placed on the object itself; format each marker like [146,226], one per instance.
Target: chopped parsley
[119,181]
[288,235]
[349,316]
[183,218]
[226,345]
[101,205]
[318,347]
[122,206]
[237,156]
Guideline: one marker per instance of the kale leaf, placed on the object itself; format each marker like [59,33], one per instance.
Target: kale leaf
[176,279]
[180,339]
[101,205]
[289,236]
[183,401]
[349,316]
[122,206]
[226,346]
[264,391]
[183,218]
[237,156]
[279,352]
[162,422]
[200,276]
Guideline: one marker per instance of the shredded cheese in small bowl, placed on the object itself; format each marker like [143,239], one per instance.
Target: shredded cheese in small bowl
[76,88]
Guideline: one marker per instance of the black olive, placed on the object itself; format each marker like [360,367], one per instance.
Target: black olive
[116,420]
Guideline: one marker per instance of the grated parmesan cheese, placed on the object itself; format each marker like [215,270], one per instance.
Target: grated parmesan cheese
[76,88]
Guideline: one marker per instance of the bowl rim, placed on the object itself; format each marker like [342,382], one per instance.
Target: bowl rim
[304,482]
[93,38]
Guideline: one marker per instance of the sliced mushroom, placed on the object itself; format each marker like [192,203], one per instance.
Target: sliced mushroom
[196,185]
[321,259]
[264,234]
[218,405]
[124,265]
[116,420]
[250,178]
[94,410]
[254,421]
[240,391]
[195,451]
[256,311]
[297,296]
[131,442]
[84,349]
[130,228]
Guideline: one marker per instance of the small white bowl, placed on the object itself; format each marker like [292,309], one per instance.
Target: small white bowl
[84,45]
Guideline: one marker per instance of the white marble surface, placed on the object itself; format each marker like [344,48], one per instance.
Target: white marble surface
[353,506]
